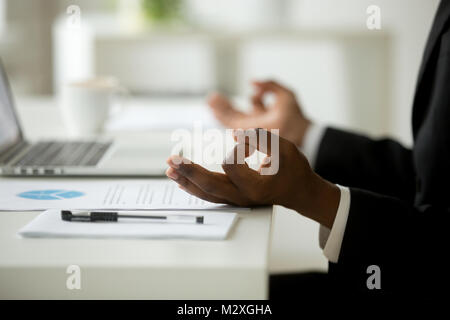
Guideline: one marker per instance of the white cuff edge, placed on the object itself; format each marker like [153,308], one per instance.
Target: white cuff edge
[333,244]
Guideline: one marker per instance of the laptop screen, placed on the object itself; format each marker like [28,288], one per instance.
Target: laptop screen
[9,127]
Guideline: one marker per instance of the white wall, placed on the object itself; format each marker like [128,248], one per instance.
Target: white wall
[28,55]
[236,14]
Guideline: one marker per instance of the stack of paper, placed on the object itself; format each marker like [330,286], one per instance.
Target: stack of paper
[216,226]
[106,194]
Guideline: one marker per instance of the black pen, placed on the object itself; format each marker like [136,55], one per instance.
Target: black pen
[104,216]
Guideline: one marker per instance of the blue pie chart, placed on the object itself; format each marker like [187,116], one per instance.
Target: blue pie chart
[50,194]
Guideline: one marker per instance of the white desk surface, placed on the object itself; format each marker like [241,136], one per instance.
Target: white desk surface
[131,269]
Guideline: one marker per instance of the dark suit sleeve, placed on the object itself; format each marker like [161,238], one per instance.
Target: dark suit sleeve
[404,240]
[353,160]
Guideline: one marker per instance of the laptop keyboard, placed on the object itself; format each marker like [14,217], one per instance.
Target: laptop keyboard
[71,154]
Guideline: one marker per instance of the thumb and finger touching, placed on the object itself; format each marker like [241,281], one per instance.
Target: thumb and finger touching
[247,142]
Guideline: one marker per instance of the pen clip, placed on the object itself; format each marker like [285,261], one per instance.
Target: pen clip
[66,215]
[85,216]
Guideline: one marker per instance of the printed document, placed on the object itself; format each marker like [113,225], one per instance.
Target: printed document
[89,194]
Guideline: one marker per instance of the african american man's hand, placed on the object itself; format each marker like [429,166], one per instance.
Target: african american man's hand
[295,185]
[284,113]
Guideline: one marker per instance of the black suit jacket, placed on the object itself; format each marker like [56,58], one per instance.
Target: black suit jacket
[400,198]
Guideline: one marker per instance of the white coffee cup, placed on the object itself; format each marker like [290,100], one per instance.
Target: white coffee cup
[85,105]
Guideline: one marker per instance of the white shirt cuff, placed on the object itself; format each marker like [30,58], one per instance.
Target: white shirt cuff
[311,142]
[331,240]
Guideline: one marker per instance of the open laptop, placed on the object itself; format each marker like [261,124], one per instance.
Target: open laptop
[19,157]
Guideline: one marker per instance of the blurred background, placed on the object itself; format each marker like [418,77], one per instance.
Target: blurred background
[343,73]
